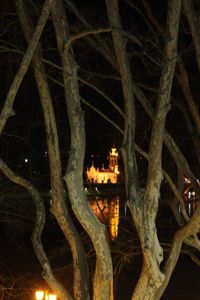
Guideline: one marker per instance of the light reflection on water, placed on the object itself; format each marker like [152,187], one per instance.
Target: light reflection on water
[107,211]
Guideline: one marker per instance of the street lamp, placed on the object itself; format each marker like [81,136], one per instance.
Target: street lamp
[52,297]
[44,295]
[39,295]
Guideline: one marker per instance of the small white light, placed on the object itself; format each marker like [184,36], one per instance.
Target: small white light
[26,160]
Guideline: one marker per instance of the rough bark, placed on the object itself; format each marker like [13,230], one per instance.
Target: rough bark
[59,209]
[151,275]
[103,277]
[144,217]
[128,151]
[149,238]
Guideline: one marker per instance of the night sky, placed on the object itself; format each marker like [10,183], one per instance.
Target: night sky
[25,132]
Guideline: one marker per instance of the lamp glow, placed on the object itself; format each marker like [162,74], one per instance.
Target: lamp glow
[52,297]
[39,295]
[44,295]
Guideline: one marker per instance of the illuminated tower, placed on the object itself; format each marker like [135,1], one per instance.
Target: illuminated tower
[113,160]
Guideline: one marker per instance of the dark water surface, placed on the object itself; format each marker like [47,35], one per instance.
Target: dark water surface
[184,283]
[19,264]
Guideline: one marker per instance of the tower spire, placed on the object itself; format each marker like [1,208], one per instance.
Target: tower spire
[113,160]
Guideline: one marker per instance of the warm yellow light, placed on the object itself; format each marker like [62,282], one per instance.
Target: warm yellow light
[39,295]
[52,297]
[114,152]
[44,295]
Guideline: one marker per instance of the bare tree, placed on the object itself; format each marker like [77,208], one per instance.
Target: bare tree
[116,44]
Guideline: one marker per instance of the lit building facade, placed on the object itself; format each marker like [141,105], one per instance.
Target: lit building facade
[109,175]
[107,211]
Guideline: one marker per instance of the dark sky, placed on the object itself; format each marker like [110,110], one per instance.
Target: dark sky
[25,132]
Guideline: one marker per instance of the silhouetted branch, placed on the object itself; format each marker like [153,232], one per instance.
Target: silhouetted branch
[7,110]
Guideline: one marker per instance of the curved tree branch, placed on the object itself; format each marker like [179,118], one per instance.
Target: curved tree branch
[7,110]
[103,277]
[59,208]
[37,231]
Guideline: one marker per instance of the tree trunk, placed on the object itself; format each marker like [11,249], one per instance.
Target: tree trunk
[128,152]
[103,277]
[59,209]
